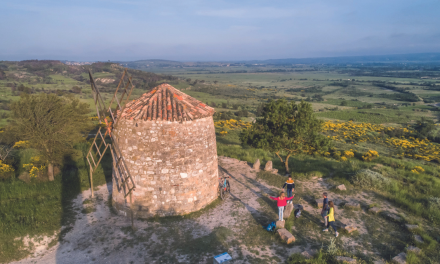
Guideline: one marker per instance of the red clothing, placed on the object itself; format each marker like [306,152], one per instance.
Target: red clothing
[280,202]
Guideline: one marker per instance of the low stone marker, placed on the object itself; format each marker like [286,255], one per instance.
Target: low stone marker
[352,205]
[418,238]
[416,250]
[319,202]
[274,171]
[341,187]
[341,259]
[268,166]
[400,259]
[288,210]
[350,228]
[306,255]
[411,227]
[286,236]
[257,165]
[374,210]
[393,217]
[280,224]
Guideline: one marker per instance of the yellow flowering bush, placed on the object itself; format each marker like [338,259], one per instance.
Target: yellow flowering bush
[6,170]
[35,168]
[370,155]
[21,144]
[223,133]
[344,158]
[232,124]
[417,169]
[348,154]
[407,145]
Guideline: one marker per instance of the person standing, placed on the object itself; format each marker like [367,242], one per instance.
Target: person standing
[281,202]
[290,187]
[325,209]
[331,218]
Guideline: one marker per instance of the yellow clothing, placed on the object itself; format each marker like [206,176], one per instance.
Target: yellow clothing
[331,215]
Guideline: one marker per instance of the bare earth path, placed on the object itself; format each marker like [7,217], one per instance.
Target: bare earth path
[234,225]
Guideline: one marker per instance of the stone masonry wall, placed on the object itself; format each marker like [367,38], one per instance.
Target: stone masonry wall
[174,166]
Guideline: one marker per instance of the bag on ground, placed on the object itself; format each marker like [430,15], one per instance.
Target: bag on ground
[297,213]
[271,226]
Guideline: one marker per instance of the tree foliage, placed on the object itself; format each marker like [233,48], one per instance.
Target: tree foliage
[286,128]
[50,124]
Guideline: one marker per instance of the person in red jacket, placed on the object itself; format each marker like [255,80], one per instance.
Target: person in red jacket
[281,202]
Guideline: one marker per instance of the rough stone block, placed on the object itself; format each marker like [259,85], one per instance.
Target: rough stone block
[350,228]
[268,166]
[306,255]
[341,259]
[374,210]
[411,227]
[288,210]
[319,202]
[341,187]
[393,217]
[418,238]
[274,171]
[256,165]
[352,205]
[280,224]
[414,249]
[286,236]
[400,259]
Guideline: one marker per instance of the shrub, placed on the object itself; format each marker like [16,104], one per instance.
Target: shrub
[370,155]
[6,171]
[370,180]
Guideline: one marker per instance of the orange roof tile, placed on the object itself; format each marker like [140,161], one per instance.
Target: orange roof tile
[165,102]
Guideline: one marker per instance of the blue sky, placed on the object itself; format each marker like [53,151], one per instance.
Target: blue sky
[189,30]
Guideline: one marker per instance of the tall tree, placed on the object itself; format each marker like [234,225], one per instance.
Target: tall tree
[286,128]
[50,124]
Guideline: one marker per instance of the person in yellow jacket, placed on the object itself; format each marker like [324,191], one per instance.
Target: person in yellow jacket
[331,218]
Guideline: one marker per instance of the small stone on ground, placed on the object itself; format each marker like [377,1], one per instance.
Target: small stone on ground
[411,227]
[400,259]
[418,238]
[306,255]
[352,205]
[414,249]
[350,228]
[374,210]
[341,259]
[341,187]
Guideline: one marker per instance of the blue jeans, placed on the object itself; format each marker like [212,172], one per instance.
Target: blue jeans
[280,212]
[289,194]
[332,223]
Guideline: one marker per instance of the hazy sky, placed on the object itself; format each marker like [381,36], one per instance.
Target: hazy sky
[90,30]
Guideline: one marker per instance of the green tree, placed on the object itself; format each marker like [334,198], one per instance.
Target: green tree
[50,124]
[286,128]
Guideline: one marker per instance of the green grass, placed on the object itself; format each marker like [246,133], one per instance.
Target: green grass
[41,207]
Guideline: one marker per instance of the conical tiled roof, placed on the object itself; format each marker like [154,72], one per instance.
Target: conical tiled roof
[165,102]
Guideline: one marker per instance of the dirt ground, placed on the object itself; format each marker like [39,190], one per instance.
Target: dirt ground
[234,225]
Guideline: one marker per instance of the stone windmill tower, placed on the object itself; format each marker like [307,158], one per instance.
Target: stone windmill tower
[167,139]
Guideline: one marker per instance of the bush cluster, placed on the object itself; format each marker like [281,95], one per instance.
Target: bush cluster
[370,180]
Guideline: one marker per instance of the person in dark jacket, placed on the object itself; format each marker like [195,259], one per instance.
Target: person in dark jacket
[290,188]
[325,208]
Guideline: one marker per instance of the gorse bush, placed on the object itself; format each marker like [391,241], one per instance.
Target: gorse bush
[370,180]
